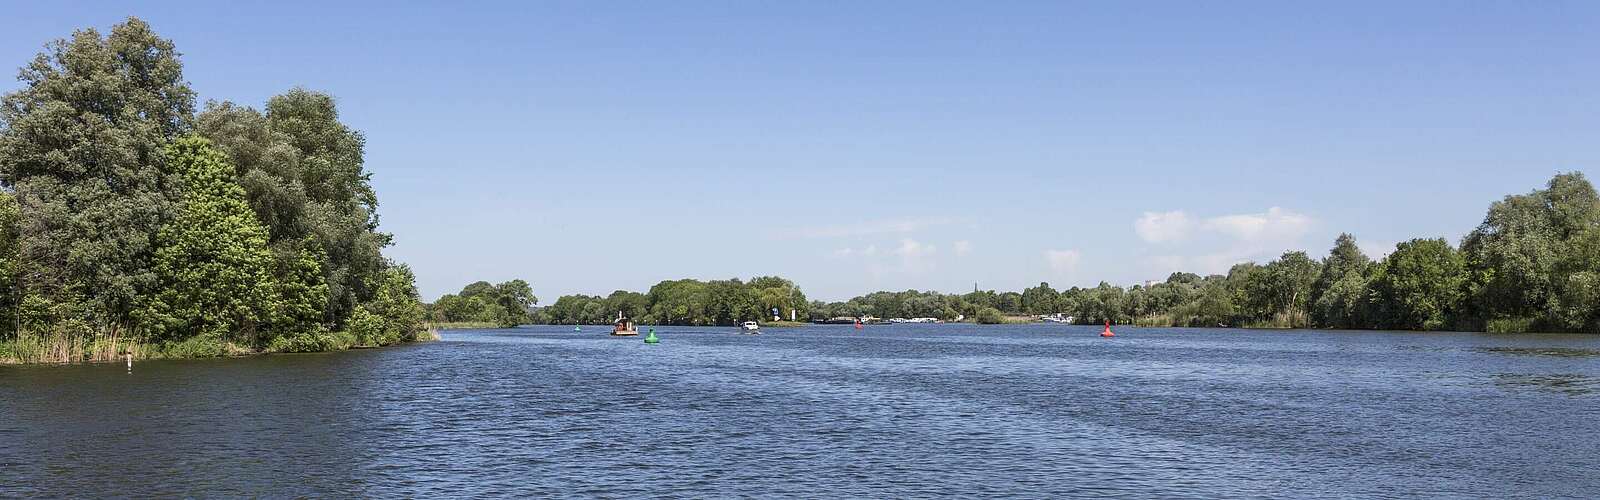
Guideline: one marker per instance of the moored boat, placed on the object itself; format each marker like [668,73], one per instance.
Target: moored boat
[623,327]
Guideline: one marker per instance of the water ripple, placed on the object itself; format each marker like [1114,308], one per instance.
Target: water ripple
[902,412]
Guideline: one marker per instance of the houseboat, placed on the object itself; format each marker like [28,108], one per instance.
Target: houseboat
[623,326]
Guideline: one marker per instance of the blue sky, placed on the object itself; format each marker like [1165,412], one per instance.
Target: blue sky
[858,146]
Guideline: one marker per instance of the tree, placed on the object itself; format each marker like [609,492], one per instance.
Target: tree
[680,302]
[1040,300]
[506,304]
[989,316]
[730,302]
[81,146]
[1344,303]
[1344,268]
[1008,302]
[1287,285]
[1249,293]
[302,293]
[1103,303]
[10,219]
[212,263]
[1518,255]
[1421,285]
[1578,291]
[1215,306]
[397,307]
[630,304]
[778,293]
[305,176]
[512,300]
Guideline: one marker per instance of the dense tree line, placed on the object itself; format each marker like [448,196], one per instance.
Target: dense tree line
[506,304]
[127,217]
[1532,265]
[685,302]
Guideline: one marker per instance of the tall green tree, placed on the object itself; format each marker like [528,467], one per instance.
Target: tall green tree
[1289,280]
[1578,289]
[305,175]
[397,306]
[1040,299]
[782,294]
[1338,295]
[506,304]
[1421,285]
[10,295]
[212,263]
[302,293]
[81,146]
[512,300]
[1517,256]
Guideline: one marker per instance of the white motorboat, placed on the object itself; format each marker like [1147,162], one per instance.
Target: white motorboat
[1056,318]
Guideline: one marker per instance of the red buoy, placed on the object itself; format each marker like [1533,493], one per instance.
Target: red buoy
[858,323]
[1108,333]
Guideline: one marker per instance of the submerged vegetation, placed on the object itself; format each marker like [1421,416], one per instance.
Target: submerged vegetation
[131,224]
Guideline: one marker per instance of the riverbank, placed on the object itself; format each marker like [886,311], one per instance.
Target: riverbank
[464,325]
[35,349]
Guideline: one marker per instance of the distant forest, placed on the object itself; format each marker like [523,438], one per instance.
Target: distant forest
[1532,265]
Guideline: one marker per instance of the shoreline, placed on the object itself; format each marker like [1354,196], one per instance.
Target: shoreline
[70,352]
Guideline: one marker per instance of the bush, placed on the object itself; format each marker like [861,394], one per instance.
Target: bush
[200,346]
[313,341]
[1509,325]
[989,316]
[367,328]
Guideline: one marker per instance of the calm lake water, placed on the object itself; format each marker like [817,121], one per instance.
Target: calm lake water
[887,412]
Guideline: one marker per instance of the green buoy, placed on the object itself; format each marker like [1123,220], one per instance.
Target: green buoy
[651,339]
[577,328]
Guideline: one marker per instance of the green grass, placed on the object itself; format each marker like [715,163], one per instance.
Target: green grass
[33,348]
[61,349]
[1509,325]
[1155,321]
[1281,321]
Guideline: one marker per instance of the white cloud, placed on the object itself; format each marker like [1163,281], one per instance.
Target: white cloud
[1063,261]
[915,256]
[1275,224]
[1221,241]
[908,257]
[963,248]
[868,228]
[1161,227]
